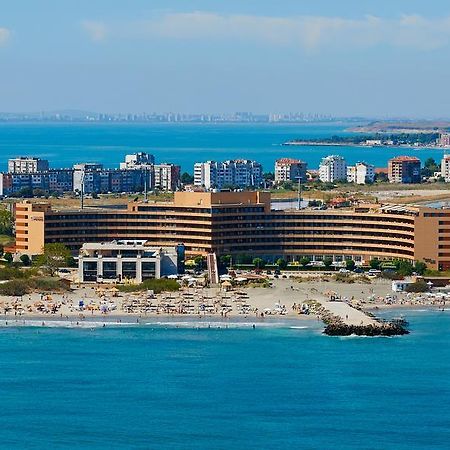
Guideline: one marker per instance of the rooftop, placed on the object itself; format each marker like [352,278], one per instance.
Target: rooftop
[405,158]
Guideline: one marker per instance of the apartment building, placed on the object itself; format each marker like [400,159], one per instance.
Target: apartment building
[26,164]
[445,168]
[404,169]
[333,168]
[237,223]
[288,169]
[58,181]
[167,177]
[361,173]
[444,140]
[240,173]
[138,160]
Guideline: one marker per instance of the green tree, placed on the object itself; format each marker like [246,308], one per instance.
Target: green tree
[429,168]
[305,261]
[6,222]
[259,263]
[8,257]
[281,263]
[375,263]
[26,261]
[350,264]
[269,176]
[25,192]
[420,267]
[225,260]
[404,268]
[54,257]
[187,178]
[200,262]
[288,186]
[71,261]
[327,262]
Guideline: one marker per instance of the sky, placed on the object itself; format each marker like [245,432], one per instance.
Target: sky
[375,58]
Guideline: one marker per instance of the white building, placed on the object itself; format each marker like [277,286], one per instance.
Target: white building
[445,168]
[288,169]
[25,164]
[241,173]
[361,173]
[167,177]
[84,174]
[136,261]
[444,140]
[332,168]
[140,160]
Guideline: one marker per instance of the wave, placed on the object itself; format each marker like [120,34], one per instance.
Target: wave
[219,325]
[62,324]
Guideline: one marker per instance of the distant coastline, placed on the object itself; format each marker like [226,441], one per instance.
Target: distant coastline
[360,145]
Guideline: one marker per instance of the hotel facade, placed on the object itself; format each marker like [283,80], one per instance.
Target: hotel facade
[237,223]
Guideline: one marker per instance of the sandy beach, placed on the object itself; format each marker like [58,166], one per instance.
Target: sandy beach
[283,298]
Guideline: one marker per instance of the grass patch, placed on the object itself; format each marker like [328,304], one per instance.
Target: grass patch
[155,285]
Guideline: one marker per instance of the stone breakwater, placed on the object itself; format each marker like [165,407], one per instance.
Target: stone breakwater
[339,328]
[339,323]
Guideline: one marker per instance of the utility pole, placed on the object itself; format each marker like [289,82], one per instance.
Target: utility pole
[299,193]
[145,186]
[82,189]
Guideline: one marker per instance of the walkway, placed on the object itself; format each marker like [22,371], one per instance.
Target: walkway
[348,314]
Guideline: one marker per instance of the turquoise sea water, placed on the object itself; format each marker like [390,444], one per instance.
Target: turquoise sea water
[274,387]
[66,144]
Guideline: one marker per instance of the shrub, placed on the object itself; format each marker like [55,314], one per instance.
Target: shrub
[155,285]
[15,288]
[26,261]
[19,287]
[418,286]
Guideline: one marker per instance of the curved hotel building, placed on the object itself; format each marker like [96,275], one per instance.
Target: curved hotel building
[247,223]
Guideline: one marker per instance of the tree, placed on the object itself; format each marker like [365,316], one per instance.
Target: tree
[71,262]
[187,178]
[269,176]
[26,192]
[375,263]
[259,263]
[26,261]
[200,262]
[6,222]
[420,267]
[54,257]
[287,185]
[225,260]
[404,268]
[305,261]
[327,262]
[350,264]
[8,257]
[429,168]
[281,263]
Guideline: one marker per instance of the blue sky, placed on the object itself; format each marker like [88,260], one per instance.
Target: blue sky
[380,58]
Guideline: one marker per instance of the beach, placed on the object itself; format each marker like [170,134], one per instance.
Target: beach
[287,297]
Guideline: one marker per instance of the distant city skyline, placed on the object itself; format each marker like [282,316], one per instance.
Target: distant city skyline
[350,58]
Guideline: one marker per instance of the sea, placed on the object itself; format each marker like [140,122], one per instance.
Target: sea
[187,384]
[193,384]
[65,144]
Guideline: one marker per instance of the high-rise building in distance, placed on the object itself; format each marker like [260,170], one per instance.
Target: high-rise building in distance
[332,168]
[239,173]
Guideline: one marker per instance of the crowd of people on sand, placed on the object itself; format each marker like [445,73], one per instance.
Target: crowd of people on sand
[100,301]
